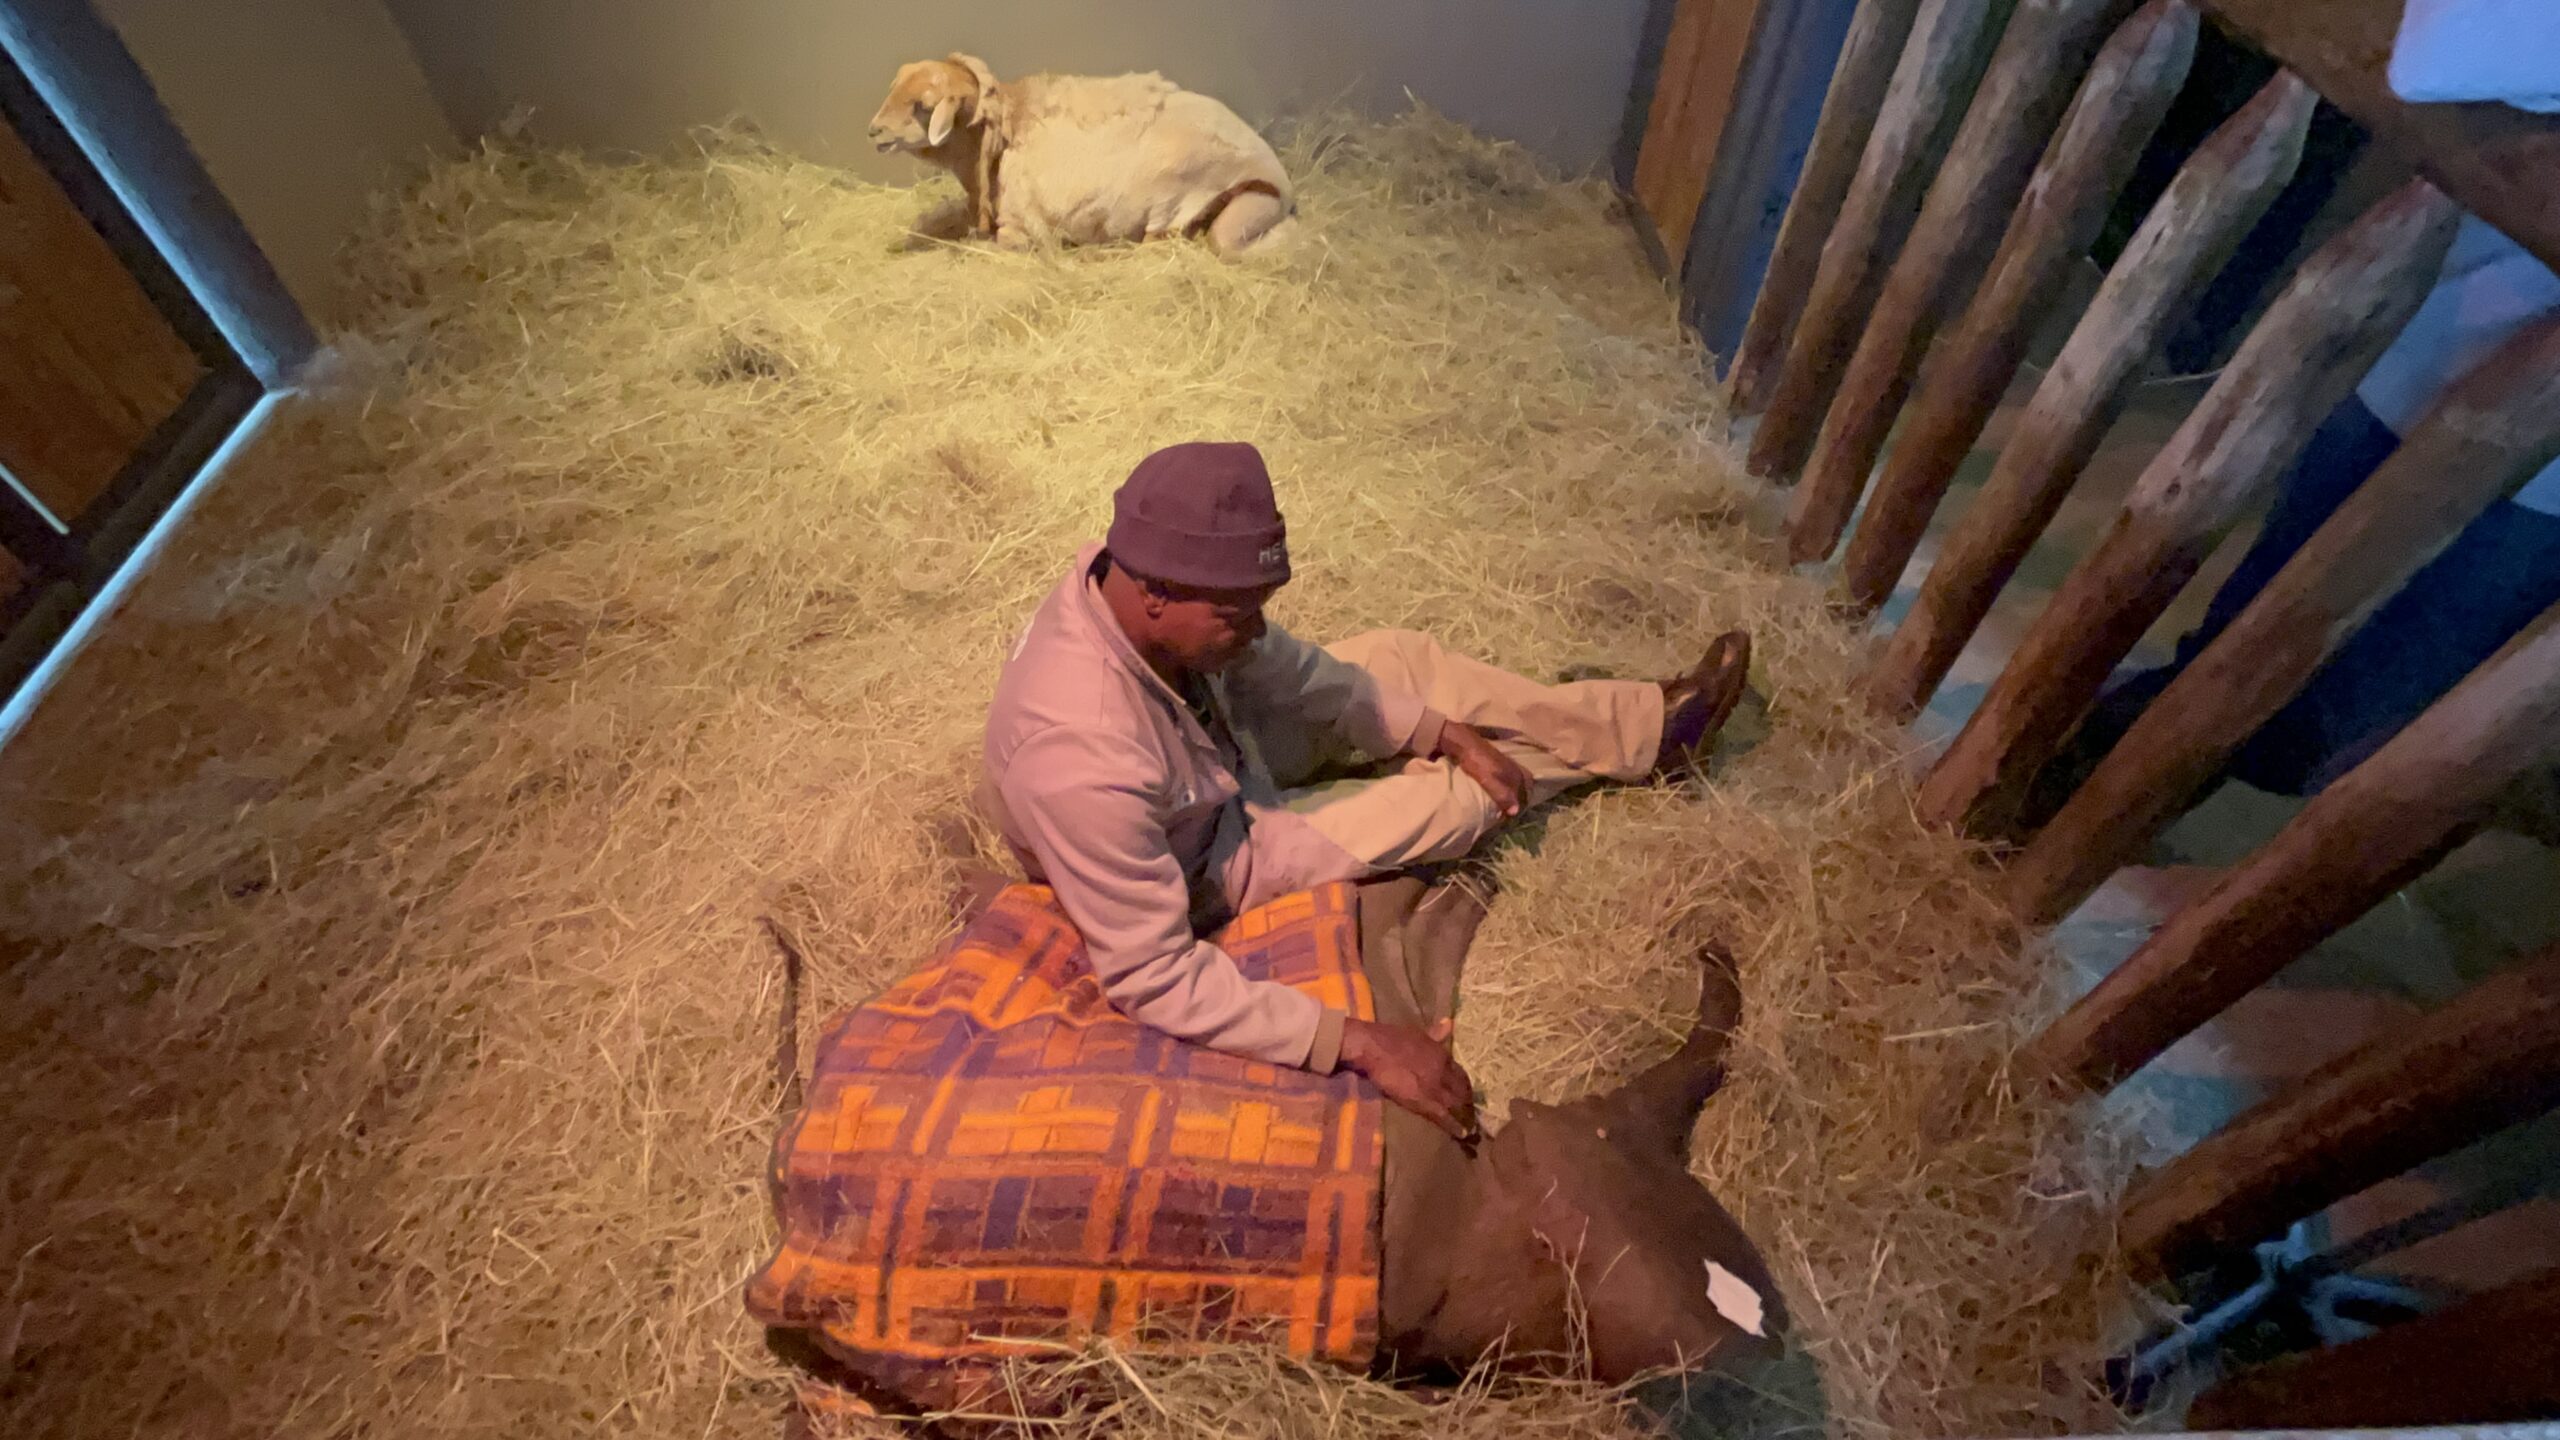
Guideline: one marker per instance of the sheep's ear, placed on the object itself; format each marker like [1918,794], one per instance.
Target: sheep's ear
[945,115]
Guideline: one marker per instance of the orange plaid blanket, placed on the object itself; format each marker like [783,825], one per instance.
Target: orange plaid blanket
[991,1154]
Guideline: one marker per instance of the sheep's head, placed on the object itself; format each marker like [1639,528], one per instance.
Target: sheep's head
[929,100]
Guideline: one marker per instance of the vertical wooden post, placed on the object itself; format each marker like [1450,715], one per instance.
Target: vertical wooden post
[2371,831]
[2486,1061]
[2488,1359]
[1867,56]
[2042,55]
[1932,82]
[2344,306]
[2485,438]
[2128,89]
[1966,374]
[2214,199]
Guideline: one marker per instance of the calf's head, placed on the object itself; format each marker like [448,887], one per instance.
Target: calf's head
[930,101]
[1663,1276]
[1578,1227]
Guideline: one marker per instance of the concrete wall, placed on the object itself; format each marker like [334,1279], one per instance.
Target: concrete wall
[636,74]
[299,109]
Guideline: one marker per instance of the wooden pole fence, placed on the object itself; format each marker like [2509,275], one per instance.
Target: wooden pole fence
[1933,79]
[2119,106]
[2371,831]
[2198,221]
[2488,435]
[2488,1060]
[2341,310]
[2041,58]
[1875,40]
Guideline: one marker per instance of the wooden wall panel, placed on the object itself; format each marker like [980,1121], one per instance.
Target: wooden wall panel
[1701,74]
[88,367]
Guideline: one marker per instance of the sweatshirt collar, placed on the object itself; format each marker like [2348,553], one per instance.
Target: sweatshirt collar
[1097,616]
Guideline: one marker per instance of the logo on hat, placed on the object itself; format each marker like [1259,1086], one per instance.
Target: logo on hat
[1274,555]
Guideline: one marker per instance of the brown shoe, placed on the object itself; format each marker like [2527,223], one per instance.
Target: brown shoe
[1696,705]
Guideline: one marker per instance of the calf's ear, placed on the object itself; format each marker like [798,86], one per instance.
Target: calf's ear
[944,116]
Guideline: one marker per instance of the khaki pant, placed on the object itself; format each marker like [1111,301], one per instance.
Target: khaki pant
[1411,811]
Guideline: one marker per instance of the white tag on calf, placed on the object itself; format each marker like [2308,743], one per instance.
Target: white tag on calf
[1734,1298]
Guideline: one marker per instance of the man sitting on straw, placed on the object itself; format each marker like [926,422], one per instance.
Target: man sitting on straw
[1155,746]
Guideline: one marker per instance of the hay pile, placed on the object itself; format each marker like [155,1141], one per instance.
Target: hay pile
[388,1020]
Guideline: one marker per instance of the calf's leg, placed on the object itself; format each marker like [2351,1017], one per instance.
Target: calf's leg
[1432,1225]
[1657,1110]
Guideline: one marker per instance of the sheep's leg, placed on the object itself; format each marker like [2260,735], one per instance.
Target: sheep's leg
[1245,219]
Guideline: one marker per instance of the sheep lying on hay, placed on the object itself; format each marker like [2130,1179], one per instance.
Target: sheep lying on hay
[1085,159]
[390,1011]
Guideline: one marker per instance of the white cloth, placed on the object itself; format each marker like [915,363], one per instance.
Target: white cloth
[2490,288]
[2479,50]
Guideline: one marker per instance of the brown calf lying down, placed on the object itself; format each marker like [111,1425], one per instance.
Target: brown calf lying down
[1574,1237]
[1584,1207]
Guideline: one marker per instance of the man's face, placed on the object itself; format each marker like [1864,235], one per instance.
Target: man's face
[1205,631]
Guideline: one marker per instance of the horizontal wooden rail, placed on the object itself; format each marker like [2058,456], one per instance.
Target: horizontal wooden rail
[2501,163]
[2486,437]
[2042,58]
[2343,307]
[2488,1060]
[2119,105]
[2371,831]
[1858,78]
[1933,80]
[2195,225]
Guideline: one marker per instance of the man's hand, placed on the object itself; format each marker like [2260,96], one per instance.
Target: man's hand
[1479,760]
[1414,1069]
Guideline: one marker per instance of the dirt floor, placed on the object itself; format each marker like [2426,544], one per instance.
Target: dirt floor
[389,1015]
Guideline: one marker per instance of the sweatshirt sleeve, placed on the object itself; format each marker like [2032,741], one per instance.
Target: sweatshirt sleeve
[1291,677]
[1101,844]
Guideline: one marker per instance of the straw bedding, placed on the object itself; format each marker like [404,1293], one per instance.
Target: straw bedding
[389,1009]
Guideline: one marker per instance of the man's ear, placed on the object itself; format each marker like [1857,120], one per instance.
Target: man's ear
[945,115]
